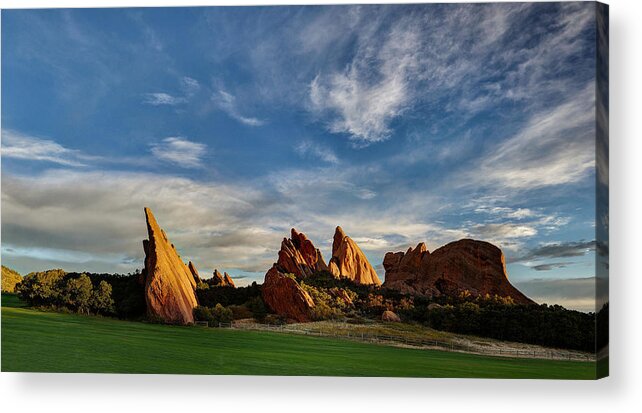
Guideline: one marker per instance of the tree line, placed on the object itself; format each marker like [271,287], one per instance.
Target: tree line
[59,290]
[488,316]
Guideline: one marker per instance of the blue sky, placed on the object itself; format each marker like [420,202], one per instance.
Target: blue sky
[400,123]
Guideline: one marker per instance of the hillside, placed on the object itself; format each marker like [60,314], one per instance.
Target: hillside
[9,279]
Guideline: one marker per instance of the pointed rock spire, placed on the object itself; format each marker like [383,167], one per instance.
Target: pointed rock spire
[218,278]
[228,280]
[299,256]
[221,280]
[349,261]
[194,272]
[169,283]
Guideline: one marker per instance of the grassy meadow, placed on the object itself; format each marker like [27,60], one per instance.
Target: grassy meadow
[36,341]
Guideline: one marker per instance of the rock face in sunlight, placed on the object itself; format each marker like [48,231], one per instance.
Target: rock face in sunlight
[169,283]
[222,280]
[349,261]
[299,256]
[465,265]
[283,295]
[194,272]
[402,267]
[228,280]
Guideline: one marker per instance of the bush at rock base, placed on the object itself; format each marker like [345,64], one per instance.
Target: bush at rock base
[214,316]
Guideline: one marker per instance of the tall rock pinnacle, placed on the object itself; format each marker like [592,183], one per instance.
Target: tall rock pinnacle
[169,283]
[349,261]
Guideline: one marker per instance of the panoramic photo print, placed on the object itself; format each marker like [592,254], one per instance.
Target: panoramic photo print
[359,190]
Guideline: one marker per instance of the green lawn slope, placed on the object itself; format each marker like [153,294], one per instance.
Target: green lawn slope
[34,341]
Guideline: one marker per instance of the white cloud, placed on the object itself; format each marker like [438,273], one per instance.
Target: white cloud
[19,146]
[500,233]
[160,98]
[312,149]
[555,147]
[93,220]
[180,151]
[365,193]
[80,216]
[190,86]
[450,56]
[506,212]
[227,103]
[373,90]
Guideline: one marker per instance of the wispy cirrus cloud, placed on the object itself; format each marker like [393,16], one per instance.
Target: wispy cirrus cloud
[450,55]
[20,146]
[180,151]
[162,98]
[227,103]
[309,149]
[362,103]
[507,212]
[190,86]
[503,231]
[535,156]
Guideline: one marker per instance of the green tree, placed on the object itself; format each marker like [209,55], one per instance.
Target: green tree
[202,313]
[101,301]
[257,307]
[221,314]
[77,294]
[42,288]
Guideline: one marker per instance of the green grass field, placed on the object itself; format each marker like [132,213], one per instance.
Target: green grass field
[34,341]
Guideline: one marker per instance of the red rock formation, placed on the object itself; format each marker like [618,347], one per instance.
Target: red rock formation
[298,256]
[194,272]
[228,280]
[169,283]
[221,280]
[404,266]
[217,278]
[349,261]
[390,317]
[464,265]
[283,295]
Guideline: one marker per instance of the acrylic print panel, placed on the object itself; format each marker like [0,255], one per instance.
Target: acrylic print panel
[381,190]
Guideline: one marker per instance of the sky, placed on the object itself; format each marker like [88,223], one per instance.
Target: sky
[402,124]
